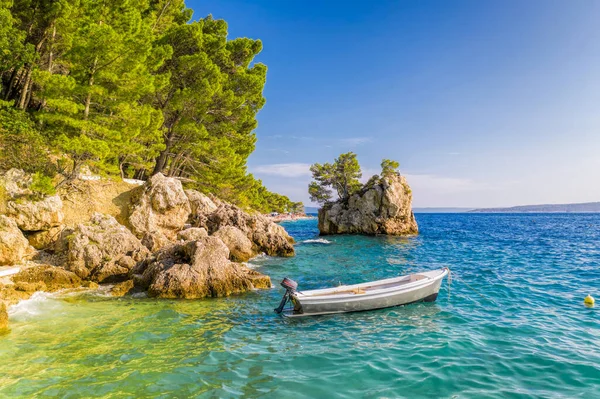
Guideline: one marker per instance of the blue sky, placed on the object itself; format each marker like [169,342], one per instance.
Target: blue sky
[483,103]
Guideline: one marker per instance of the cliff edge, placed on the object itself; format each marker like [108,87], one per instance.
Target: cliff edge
[382,206]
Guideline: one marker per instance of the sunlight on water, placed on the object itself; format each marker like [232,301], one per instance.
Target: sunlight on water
[512,324]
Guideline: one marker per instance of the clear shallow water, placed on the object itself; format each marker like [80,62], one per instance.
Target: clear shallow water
[513,324]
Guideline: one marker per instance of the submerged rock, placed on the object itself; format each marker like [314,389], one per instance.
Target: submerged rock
[160,207]
[14,247]
[196,269]
[383,206]
[103,250]
[240,247]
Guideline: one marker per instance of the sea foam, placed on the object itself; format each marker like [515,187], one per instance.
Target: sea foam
[316,241]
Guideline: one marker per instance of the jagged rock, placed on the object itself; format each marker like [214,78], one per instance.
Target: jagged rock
[123,288]
[196,269]
[3,319]
[16,183]
[240,247]
[383,206]
[33,215]
[265,235]
[45,239]
[155,241]
[45,278]
[201,205]
[161,206]
[103,250]
[192,234]
[14,247]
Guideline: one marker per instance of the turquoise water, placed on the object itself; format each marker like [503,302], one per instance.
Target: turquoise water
[512,324]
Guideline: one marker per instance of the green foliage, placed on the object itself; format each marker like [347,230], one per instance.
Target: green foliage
[22,146]
[389,167]
[131,88]
[342,176]
[41,185]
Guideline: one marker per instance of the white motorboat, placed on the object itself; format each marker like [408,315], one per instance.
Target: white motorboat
[378,294]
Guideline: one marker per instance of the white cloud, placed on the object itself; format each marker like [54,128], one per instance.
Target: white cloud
[284,169]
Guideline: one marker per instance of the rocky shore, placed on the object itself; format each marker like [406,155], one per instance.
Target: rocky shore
[156,238]
[382,206]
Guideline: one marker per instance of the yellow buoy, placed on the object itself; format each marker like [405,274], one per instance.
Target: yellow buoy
[589,301]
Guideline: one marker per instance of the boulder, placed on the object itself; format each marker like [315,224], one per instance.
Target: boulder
[32,215]
[201,205]
[383,206]
[14,247]
[265,235]
[103,250]
[161,206]
[16,183]
[45,239]
[192,234]
[240,247]
[45,278]
[195,269]
[122,289]
[3,318]
[155,241]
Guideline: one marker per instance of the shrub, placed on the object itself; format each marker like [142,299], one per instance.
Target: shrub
[42,185]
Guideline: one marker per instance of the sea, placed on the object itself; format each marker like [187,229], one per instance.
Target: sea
[511,323]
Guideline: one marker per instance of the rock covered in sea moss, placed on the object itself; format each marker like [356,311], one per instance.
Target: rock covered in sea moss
[14,247]
[45,278]
[3,319]
[103,250]
[195,269]
[161,206]
[383,206]
[122,288]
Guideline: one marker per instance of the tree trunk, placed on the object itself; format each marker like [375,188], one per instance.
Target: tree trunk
[88,98]
[51,54]
[25,89]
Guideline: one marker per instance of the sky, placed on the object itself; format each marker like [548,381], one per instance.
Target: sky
[483,103]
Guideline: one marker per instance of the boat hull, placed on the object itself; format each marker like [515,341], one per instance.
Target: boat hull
[318,305]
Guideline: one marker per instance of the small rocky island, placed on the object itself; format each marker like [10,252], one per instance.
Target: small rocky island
[383,205]
[156,238]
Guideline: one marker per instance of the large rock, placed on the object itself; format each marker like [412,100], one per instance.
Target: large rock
[383,206]
[45,278]
[195,269]
[192,234]
[265,235]
[103,250]
[45,239]
[32,215]
[201,205]
[15,183]
[160,207]
[14,247]
[240,247]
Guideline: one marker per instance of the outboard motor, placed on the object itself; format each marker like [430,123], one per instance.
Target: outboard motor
[290,287]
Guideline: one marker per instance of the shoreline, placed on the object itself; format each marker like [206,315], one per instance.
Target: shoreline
[289,217]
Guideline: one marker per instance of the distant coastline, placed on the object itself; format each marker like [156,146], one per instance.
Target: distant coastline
[585,207]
